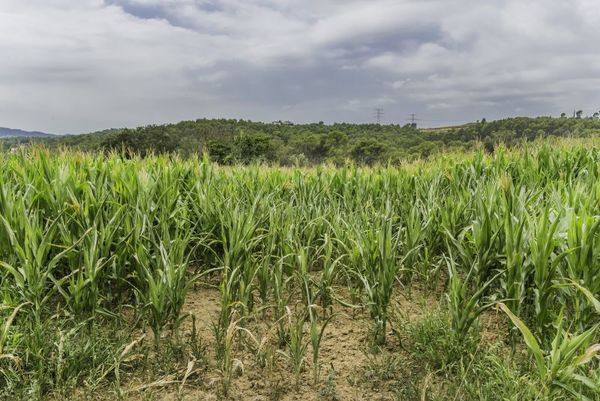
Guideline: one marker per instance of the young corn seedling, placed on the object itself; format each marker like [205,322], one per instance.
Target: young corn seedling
[281,295]
[229,362]
[316,333]
[316,336]
[297,344]
[262,348]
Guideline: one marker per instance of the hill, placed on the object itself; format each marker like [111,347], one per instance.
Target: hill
[240,141]
[11,133]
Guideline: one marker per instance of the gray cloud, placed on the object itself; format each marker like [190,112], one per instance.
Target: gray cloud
[79,65]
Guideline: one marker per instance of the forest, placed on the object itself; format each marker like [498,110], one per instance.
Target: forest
[284,143]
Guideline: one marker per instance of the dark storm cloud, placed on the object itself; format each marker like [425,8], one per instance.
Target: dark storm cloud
[107,63]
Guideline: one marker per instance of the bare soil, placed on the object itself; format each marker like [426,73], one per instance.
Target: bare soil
[346,356]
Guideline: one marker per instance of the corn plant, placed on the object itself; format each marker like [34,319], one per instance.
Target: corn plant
[162,282]
[329,272]
[515,271]
[228,359]
[297,345]
[301,269]
[545,259]
[466,301]
[35,260]
[582,262]
[82,290]
[281,294]
[414,237]
[84,236]
[316,336]
[476,246]
[561,366]
[379,271]
[239,238]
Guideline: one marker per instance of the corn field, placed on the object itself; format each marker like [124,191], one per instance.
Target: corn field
[98,254]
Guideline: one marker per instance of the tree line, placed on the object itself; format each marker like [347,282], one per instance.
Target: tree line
[231,141]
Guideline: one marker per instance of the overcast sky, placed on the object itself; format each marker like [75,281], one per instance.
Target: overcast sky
[70,66]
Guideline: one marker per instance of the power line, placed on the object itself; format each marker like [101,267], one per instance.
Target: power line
[378,114]
[413,118]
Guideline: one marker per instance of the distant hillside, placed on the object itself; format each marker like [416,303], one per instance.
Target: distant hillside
[12,133]
[241,141]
